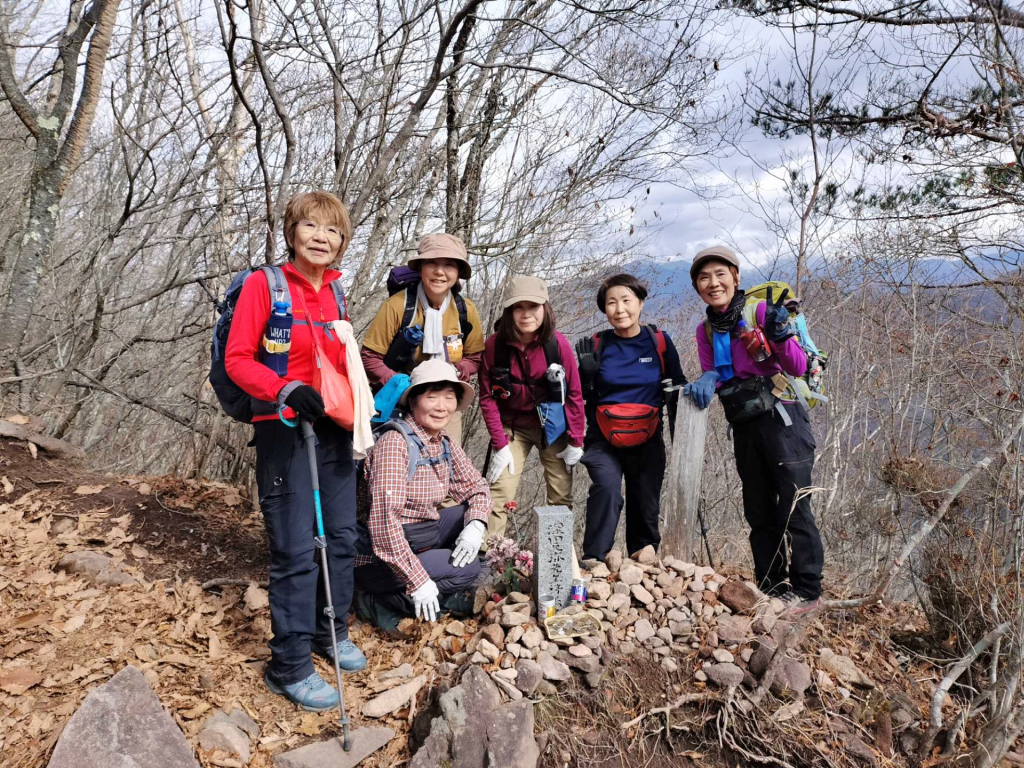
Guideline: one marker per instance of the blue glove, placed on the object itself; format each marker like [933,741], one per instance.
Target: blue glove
[776,318]
[414,335]
[702,390]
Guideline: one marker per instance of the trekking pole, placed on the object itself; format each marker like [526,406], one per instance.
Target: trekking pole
[321,543]
[704,531]
[487,459]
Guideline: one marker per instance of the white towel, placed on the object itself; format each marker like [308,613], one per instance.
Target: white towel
[362,397]
[433,325]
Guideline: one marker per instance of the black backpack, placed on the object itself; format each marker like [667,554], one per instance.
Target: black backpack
[235,401]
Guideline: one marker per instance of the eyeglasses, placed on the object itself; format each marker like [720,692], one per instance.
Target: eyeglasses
[332,232]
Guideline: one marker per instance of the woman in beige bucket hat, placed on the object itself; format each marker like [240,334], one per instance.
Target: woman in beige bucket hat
[424,554]
[426,319]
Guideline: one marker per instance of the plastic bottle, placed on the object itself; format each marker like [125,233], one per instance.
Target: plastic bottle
[277,338]
[755,342]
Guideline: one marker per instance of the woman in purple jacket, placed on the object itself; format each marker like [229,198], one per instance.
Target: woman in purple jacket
[515,386]
[772,437]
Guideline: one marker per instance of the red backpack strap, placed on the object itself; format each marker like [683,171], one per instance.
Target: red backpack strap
[661,343]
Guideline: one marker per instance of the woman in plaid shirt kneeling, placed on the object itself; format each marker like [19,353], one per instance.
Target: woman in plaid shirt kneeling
[424,556]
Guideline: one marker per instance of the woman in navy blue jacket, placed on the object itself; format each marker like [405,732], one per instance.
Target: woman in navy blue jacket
[625,371]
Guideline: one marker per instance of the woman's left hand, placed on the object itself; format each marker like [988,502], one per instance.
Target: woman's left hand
[467,546]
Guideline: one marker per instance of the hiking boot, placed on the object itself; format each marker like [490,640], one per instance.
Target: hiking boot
[461,603]
[312,693]
[377,612]
[350,658]
[795,607]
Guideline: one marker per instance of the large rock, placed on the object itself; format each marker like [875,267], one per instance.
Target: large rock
[644,630]
[843,668]
[733,629]
[724,675]
[230,733]
[529,675]
[365,741]
[393,700]
[738,596]
[552,668]
[95,566]
[434,750]
[646,556]
[532,638]
[641,594]
[613,560]
[480,697]
[630,574]
[510,742]
[600,590]
[122,725]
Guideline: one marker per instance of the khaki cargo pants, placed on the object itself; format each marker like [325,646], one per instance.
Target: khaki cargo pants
[557,478]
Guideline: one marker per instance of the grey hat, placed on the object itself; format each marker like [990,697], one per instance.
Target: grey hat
[714,253]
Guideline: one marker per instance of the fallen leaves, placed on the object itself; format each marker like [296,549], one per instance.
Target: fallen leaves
[88,490]
[17,681]
[256,598]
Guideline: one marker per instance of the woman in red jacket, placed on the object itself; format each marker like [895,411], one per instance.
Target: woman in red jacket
[515,385]
[317,231]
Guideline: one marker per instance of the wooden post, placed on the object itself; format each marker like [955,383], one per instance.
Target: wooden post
[680,531]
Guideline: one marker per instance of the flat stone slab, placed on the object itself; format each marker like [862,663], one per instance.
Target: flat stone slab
[329,754]
[121,724]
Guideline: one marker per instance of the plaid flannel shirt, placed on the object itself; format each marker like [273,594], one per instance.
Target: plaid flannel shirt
[394,501]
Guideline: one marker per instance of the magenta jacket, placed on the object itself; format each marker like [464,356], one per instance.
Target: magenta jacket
[520,410]
[788,356]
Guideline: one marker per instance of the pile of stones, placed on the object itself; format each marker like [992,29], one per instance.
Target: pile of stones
[662,610]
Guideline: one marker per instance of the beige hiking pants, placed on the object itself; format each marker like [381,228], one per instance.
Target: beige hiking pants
[557,478]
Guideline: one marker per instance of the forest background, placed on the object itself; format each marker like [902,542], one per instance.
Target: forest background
[868,152]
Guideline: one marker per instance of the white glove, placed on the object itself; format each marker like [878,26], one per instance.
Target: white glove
[499,460]
[467,546]
[425,599]
[571,456]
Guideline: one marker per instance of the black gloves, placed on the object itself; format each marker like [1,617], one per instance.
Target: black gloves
[586,355]
[306,402]
[776,319]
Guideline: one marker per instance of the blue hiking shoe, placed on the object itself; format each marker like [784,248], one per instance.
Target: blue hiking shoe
[312,694]
[350,658]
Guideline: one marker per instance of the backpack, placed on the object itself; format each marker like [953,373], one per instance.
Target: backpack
[235,401]
[415,446]
[550,410]
[809,389]
[401,351]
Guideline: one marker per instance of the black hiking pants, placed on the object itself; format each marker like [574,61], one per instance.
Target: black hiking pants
[775,461]
[643,469]
[297,598]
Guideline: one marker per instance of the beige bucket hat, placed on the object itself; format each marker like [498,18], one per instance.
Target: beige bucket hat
[442,246]
[432,372]
[527,288]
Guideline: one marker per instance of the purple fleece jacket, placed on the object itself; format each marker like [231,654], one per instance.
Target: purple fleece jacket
[520,410]
[788,356]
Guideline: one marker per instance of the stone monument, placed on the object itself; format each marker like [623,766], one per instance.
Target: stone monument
[553,563]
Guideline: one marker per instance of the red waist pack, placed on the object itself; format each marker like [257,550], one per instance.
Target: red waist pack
[627,425]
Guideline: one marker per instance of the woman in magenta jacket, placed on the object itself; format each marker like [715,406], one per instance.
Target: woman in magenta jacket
[513,384]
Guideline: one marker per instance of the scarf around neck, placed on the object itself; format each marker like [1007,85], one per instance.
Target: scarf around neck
[722,324]
[433,325]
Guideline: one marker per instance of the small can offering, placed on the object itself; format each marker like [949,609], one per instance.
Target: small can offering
[579,591]
[546,606]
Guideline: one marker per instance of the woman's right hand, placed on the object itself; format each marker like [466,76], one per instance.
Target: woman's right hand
[425,601]
[306,402]
[500,459]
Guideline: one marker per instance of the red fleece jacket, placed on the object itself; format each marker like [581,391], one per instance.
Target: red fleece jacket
[252,311]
